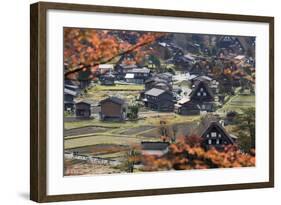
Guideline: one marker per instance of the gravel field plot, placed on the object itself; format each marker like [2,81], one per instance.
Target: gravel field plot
[84,130]
[99,149]
[81,168]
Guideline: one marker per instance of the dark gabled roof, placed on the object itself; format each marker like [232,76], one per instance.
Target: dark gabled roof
[154,92]
[198,85]
[207,123]
[220,38]
[113,99]
[244,41]
[154,145]
[69,92]
[156,79]
[89,102]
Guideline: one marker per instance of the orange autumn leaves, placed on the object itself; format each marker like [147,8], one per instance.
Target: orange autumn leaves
[183,156]
[85,49]
[84,46]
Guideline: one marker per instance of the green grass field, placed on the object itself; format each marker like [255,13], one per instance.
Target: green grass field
[170,118]
[99,92]
[92,122]
[101,139]
[237,102]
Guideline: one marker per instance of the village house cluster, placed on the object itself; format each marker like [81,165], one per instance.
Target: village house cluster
[203,86]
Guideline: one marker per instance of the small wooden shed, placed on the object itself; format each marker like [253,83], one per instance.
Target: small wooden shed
[83,109]
[113,108]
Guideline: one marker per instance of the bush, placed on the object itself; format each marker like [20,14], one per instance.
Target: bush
[133,112]
[183,156]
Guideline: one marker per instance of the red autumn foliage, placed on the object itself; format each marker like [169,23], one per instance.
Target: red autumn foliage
[85,49]
[183,156]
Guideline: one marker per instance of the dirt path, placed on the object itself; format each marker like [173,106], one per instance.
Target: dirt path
[155,114]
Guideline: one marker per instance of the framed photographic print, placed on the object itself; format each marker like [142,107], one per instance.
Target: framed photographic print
[134,102]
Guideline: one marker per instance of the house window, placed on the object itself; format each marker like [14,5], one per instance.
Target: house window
[201,89]
[218,141]
[208,135]
[219,135]
[204,94]
[203,107]
[209,141]
[213,134]
[198,94]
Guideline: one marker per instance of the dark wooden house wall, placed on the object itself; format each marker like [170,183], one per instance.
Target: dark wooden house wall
[68,102]
[111,109]
[107,81]
[163,102]
[68,97]
[83,110]
[188,109]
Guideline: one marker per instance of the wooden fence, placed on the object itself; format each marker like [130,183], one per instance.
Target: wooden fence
[91,159]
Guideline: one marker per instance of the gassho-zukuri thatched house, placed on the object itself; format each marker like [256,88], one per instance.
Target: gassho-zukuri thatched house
[213,133]
[202,96]
[113,108]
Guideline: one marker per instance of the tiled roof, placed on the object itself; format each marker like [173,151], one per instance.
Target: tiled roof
[69,92]
[154,92]
[154,145]
[114,99]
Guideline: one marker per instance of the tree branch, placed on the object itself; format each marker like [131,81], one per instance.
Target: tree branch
[75,70]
